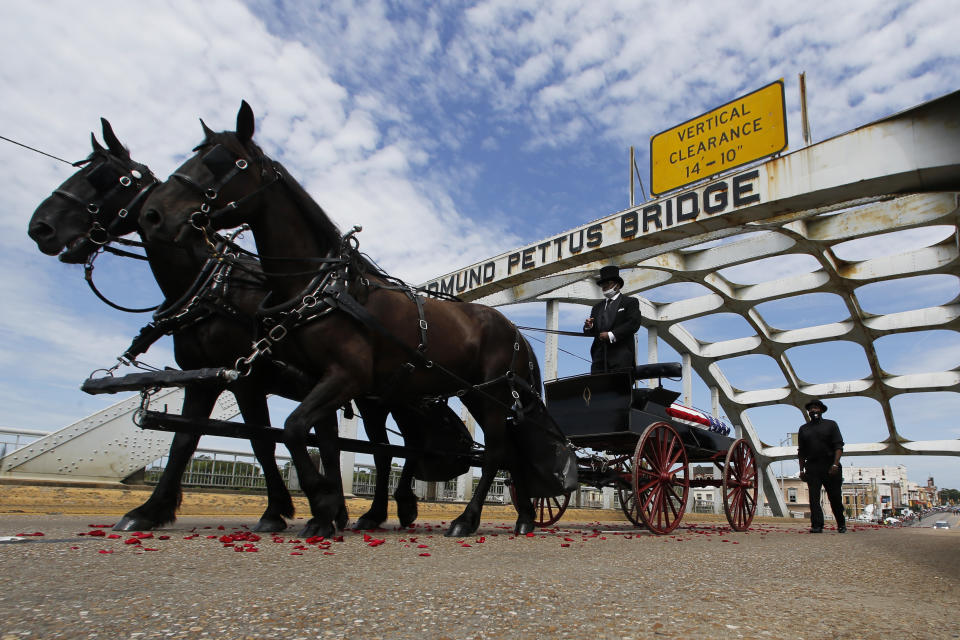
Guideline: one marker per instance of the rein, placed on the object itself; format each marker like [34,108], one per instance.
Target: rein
[88,276]
[555,332]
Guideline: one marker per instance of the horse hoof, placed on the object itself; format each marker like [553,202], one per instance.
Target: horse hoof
[318,529]
[270,525]
[342,521]
[523,528]
[134,523]
[407,514]
[459,530]
[364,523]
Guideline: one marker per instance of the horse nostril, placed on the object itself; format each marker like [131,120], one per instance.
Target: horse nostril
[41,231]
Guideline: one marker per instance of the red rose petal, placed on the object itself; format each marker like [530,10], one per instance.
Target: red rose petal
[114,536]
[105,551]
[163,537]
[424,555]
[295,553]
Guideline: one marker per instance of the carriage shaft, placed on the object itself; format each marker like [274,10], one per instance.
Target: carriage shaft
[159,421]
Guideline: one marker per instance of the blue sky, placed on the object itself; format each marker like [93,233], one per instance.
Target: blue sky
[452,132]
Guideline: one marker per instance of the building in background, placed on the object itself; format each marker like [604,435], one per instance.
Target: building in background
[886,488]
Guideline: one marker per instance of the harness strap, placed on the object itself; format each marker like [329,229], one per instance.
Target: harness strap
[422,347]
[206,296]
[124,254]
[88,276]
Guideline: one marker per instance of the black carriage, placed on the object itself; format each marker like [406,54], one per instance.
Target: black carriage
[643,451]
[625,436]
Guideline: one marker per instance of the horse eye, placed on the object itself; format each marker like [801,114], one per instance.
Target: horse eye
[152,216]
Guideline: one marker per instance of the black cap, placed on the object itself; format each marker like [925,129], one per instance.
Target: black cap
[816,403]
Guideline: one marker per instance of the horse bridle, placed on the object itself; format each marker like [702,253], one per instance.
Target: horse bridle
[110,188]
[224,167]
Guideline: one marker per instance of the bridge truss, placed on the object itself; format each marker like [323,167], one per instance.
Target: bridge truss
[858,190]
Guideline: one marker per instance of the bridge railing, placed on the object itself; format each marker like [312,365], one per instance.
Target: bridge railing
[13,439]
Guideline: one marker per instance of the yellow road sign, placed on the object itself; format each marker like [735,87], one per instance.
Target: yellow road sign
[743,130]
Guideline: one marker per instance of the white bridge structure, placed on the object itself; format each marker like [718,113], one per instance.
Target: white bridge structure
[899,173]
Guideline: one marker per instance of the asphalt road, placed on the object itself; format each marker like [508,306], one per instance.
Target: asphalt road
[206,577]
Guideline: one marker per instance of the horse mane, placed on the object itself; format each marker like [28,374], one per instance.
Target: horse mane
[326,231]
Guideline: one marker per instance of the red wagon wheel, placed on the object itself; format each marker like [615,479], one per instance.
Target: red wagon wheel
[547,511]
[740,485]
[660,479]
[624,485]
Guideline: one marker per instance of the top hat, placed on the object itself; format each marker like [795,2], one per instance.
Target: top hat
[816,403]
[610,273]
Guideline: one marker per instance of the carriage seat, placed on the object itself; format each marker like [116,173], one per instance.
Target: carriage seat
[657,370]
[659,395]
[663,398]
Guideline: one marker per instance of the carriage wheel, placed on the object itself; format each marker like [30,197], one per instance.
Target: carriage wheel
[624,485]
[547,511]
[660,479]
[740,485]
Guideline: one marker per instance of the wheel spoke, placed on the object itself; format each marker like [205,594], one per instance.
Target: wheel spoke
[740,485]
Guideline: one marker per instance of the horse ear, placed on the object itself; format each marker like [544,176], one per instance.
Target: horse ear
[95,143]
[111,139]
[207,131]
[245,123]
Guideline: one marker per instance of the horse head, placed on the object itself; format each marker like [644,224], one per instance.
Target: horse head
[207,191]
[96,204]
[229,182]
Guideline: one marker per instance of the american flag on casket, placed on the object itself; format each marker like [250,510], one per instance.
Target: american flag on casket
[696,418]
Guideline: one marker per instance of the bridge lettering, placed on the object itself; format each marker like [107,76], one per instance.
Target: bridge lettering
[714,199]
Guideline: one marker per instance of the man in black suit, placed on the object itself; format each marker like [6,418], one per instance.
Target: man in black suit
[612,323]
[819,451]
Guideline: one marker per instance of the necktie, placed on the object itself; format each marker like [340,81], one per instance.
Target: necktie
[608,313]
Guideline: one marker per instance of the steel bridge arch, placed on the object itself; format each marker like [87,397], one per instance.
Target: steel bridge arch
[895,174]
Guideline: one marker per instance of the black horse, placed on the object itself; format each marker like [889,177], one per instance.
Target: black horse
[100,202]
[361,333]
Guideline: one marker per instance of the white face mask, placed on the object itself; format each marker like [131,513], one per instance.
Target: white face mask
[609,293]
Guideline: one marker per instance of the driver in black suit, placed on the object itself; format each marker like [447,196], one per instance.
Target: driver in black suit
[612,323]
